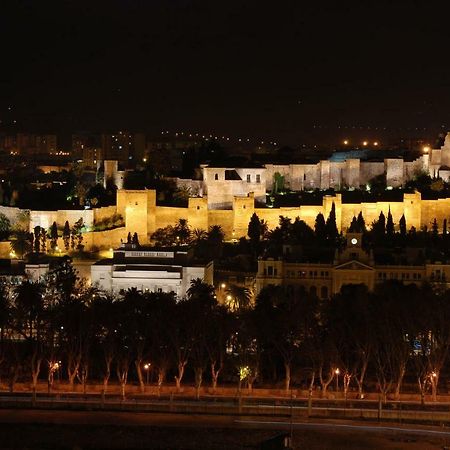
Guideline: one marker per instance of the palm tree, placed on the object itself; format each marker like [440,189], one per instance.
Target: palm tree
[238,297]
[198,235]
[215,240]
[182,231]
[21,243]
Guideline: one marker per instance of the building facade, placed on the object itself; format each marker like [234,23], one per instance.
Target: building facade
[353,266]
[149,269]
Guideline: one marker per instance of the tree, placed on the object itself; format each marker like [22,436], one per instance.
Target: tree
[254,230]
[43,238]
[217,335]
[182,232]
[66,236]
[5,227]
[53,236]
[238,297]
[350,319]
[215,240]
[402,225]
[331,227]
[22,243]
[28,314]
[37,239]
[320,228]
[286,323]
[435,229]
[353,225]
[361,223]
[389,224]
[77,236]
[201,305]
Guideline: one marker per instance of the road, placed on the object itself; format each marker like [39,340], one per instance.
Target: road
[31,416]
[27,428]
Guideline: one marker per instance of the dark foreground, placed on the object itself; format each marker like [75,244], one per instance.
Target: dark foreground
[30,429]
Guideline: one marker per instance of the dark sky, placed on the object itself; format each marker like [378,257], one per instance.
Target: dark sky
[280,70]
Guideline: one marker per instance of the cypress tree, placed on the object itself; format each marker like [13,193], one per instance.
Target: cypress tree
[402,225]
[66,235]
[254,229]
[361,223]
[320,228]
[435,228]
[381,223]
[53,236]
[389,224]
[353,226]
[331,227]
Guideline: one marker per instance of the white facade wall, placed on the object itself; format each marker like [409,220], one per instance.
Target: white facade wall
[109,279]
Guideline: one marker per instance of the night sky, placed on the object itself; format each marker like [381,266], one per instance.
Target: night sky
[276,70]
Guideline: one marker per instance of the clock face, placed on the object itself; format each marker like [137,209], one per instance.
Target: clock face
[354,241]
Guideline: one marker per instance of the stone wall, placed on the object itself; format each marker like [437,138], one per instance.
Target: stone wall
[104,213]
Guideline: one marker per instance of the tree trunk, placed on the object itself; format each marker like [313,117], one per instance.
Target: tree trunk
[360,379]
[161,376]
[287,378]
[122,375]
[198,380]
[215,375]
[422,387]
[399,382]
[35,371]
[324,383]
[179,377]
[434,385]
[138,364]
[347,379]
[106,376]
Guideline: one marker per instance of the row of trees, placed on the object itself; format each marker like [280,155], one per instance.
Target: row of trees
[43,240]
[372,340]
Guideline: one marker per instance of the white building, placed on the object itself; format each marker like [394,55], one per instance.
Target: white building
[149,269]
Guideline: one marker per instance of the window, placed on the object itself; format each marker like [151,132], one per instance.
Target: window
[270,270]
[258,178]
[198,207]
[216,176]
[275,272]
[249,178]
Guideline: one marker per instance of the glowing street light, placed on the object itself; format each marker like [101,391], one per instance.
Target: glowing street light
[147,370]
[365,143]
[426,149]
[346,142]
[337,372]
[375,144]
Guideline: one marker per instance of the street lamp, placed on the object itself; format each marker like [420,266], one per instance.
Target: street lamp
[337,372]
[147,370]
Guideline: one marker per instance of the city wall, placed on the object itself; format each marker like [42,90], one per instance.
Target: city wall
[142,216]
[235,221]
